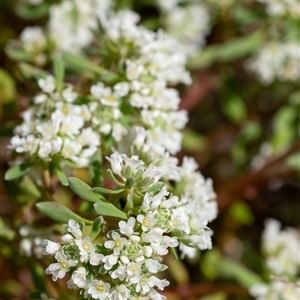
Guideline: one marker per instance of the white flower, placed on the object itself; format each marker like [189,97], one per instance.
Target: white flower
[153,265]
[133,271]
[47,84]
[68,94]
[79,277]
[116,163]
[99,289]
[147,221]
[50,247]
[86,248]
[45,149]
[120,293]
[117,243]
[59,269]
[96,258]
[110,261]
[121,89]
[127,228]
[74,229]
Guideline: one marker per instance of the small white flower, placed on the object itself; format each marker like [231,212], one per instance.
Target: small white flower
[116,163]
[99,289]
[86,248]
[79,277]
[147,221]
[127,228]
[110,261]
[47,85]
[68,94]
[50,247]
[59,269]
[117,243]
[96,259]
[74,229]
[45,150]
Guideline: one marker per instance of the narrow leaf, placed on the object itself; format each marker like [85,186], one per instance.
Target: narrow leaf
[59,70]
[100,190]
[83,190]
[61,176]
[96,170]
[60,213]
[81,64]
[108,209]
[17,171]
[96,227]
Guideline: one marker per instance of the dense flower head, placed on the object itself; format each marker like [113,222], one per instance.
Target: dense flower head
[276,61]
[281,249]
[54,126]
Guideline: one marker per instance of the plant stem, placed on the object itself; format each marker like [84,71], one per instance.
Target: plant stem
[48,185]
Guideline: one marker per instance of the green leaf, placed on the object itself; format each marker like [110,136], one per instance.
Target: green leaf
[231,50]
[80,64]
[33,11]
[83,190]
[214,265]
[96,227]
[6,232]
[59,71]
[100,190]
[108,209]
[241,212]
[193,141]
[61,176]
[17,53]
[174,253]
[17,171]
[96,169]
[234,108]
[29,71]
[7,87]
[60,213]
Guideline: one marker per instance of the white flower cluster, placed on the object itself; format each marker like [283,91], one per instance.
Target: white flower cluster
[184,213]
[143,99]
[276,61]
[72,21]
[281,248]
[54,126]
[282,7]
[129,259]
[188,23]
[131,255]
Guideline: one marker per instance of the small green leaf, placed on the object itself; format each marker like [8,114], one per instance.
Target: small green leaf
[33,11]
[174,253]
[59,70]
[100,190]
[234,108]
[17,171]
[83,190]
[108,209]
[17,53]
[60,213]
[29,71]
[61,176]
[96,227]
[96,169]
[241,212]
[231,50]
[79,64]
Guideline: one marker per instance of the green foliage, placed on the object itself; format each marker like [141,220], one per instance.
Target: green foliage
[59,70]
[108,209]
[233,49]
[60,213]
[241,213]
[17,171]
[96,169]
[83,190]
[215,265]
